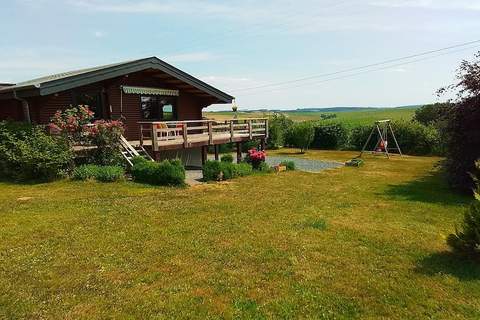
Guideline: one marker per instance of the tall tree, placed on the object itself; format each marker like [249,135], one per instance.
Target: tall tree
[463,128]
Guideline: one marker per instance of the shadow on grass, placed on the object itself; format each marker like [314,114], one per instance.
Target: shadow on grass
[431,189]
[27,182]
[450,264]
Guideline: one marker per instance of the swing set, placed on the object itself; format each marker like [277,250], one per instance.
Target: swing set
[382,128]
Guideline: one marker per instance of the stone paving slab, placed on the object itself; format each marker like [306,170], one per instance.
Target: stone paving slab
[305,164]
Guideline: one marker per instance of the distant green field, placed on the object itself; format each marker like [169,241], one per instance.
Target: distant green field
[349,118]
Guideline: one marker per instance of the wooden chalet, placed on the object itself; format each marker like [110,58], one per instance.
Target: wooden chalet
[160,105]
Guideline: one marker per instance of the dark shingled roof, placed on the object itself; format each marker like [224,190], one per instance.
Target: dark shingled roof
[68,80]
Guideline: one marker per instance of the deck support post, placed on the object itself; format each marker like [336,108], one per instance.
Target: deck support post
[250,129]
[216,152]
[231,130]
[154,137]
[204,155]
[210,132]
[262,144]
[239,152]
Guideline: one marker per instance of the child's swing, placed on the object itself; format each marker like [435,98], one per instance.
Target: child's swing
[382,128]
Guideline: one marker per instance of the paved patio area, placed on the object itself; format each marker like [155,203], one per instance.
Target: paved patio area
[305,164]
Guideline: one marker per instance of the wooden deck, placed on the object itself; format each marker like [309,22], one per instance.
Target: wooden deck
[171,135]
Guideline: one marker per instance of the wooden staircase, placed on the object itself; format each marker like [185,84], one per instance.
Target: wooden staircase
[129,151]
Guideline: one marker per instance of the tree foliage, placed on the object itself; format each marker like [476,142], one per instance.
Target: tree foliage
[278,127]
[467,239]
[301,135]
[463,127]
[432,114]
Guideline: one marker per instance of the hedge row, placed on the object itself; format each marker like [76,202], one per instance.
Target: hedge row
[413,137]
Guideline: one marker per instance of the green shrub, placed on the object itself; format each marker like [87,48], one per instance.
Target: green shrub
[301,135]
[290,165]
[212,171]
[110,173]
[216,171]
[243,169]
[227,158]
[29,153]
[166,173]
[415,138]
[264,167]
[100,173]
[330,136]
[278,127]
[467,240]
[85,172]
[358,137]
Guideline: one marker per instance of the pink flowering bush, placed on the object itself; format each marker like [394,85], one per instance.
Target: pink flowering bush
[72,124]
[256,158]
[77,126]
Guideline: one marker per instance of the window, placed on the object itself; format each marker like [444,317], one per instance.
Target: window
[158,108]
[93,100]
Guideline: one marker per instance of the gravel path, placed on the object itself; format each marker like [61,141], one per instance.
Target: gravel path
[305,164]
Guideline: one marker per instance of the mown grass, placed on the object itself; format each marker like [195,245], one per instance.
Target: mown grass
[346,243]
[350,118]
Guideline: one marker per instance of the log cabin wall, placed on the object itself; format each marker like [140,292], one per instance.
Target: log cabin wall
[42,108]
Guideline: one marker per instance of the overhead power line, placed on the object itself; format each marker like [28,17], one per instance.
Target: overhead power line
[364,72]
[275,84]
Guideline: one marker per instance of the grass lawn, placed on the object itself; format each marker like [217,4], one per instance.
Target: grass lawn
[349,118]
[347,243]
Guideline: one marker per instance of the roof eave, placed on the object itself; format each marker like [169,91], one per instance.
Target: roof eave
[59,85]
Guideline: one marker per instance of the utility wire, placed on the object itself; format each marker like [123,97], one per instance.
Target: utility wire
[363,72]
[275,84]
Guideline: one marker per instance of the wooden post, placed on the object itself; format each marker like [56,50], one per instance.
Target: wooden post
[250,133]
[204,155]
[210,132]
[26,111]
[215,147]
[266,128]
[231,130]
[154,137]
[239,152]
[185,135]
[262,144]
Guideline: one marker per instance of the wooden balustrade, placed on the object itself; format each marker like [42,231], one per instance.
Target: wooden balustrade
[164,135]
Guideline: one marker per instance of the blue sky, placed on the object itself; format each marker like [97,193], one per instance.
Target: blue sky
[242,44]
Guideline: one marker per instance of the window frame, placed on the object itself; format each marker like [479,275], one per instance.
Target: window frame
[173,101]
[99,112]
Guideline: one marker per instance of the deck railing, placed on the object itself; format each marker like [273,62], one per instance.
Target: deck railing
[185,134]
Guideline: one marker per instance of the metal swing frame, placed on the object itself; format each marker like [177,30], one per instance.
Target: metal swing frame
[382,127]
